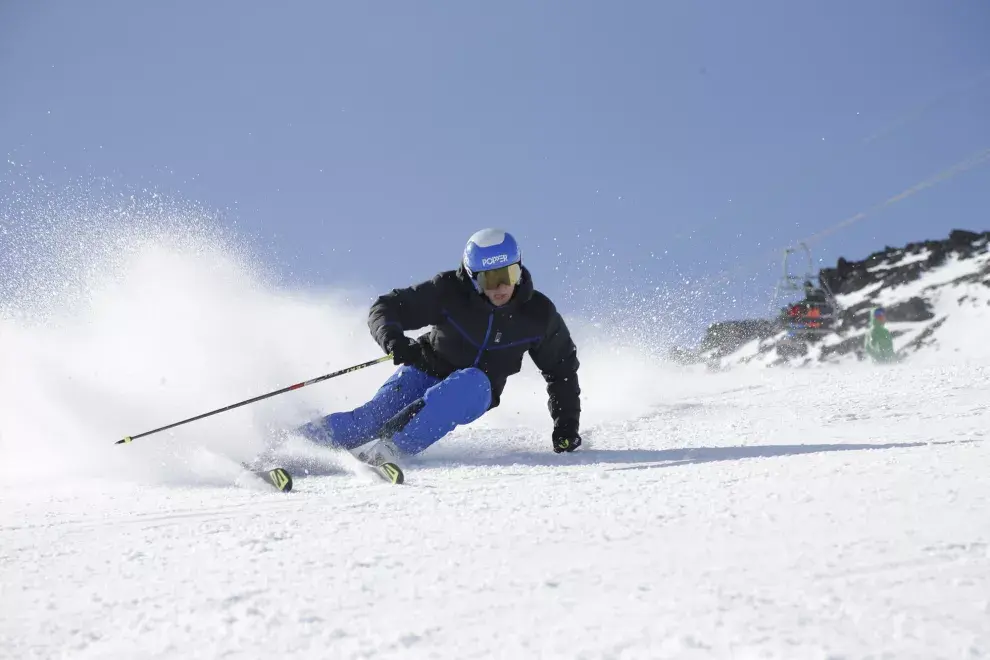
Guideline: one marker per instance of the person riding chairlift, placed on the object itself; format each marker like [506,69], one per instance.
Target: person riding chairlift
[804,315]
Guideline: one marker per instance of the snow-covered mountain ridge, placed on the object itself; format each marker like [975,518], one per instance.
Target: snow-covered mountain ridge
[936,294]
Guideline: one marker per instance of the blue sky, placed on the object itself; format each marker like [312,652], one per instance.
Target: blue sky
[628,145]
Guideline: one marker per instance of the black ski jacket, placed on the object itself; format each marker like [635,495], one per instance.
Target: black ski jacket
[468,331]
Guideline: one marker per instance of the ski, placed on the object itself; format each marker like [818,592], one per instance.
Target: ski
[388,472]
[281,479]
[278,478]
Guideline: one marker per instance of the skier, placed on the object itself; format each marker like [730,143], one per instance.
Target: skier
[811,294]
[485,316]
[878,343]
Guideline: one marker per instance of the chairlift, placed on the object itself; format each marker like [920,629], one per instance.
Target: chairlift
[812,316]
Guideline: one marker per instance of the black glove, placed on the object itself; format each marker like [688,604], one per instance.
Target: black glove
[565,440]
[406,351]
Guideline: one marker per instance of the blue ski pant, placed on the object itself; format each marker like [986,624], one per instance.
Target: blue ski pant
[434,408]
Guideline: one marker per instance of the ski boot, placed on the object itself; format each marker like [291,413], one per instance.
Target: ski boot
[382,456]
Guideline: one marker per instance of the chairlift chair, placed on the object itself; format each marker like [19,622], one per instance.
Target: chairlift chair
[812,316]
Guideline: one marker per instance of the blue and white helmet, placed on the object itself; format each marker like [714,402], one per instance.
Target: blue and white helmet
[493,251]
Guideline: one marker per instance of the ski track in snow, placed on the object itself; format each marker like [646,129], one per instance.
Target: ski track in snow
[831,513]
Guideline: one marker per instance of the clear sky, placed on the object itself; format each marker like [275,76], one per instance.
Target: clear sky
[627,144]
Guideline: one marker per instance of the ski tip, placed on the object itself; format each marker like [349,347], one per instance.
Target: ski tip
[392,473]
[279,478]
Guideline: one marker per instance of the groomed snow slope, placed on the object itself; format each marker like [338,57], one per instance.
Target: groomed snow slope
[833,513]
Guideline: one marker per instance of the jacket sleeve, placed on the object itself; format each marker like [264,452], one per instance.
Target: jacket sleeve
[556,358]
[868,343]
[410,308]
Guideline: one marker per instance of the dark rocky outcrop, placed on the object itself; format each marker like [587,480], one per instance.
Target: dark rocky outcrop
[872,277]
[910,311]
[728,336]
[849,276]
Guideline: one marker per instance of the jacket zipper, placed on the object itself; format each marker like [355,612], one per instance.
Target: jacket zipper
[488,332]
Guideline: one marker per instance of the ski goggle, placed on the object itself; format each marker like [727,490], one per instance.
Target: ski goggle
[489,280]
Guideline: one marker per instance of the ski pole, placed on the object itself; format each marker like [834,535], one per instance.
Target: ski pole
[297,386]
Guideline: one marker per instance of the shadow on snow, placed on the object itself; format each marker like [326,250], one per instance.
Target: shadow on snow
[644,459]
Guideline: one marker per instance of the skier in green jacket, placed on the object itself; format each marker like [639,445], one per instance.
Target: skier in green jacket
[878,343]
